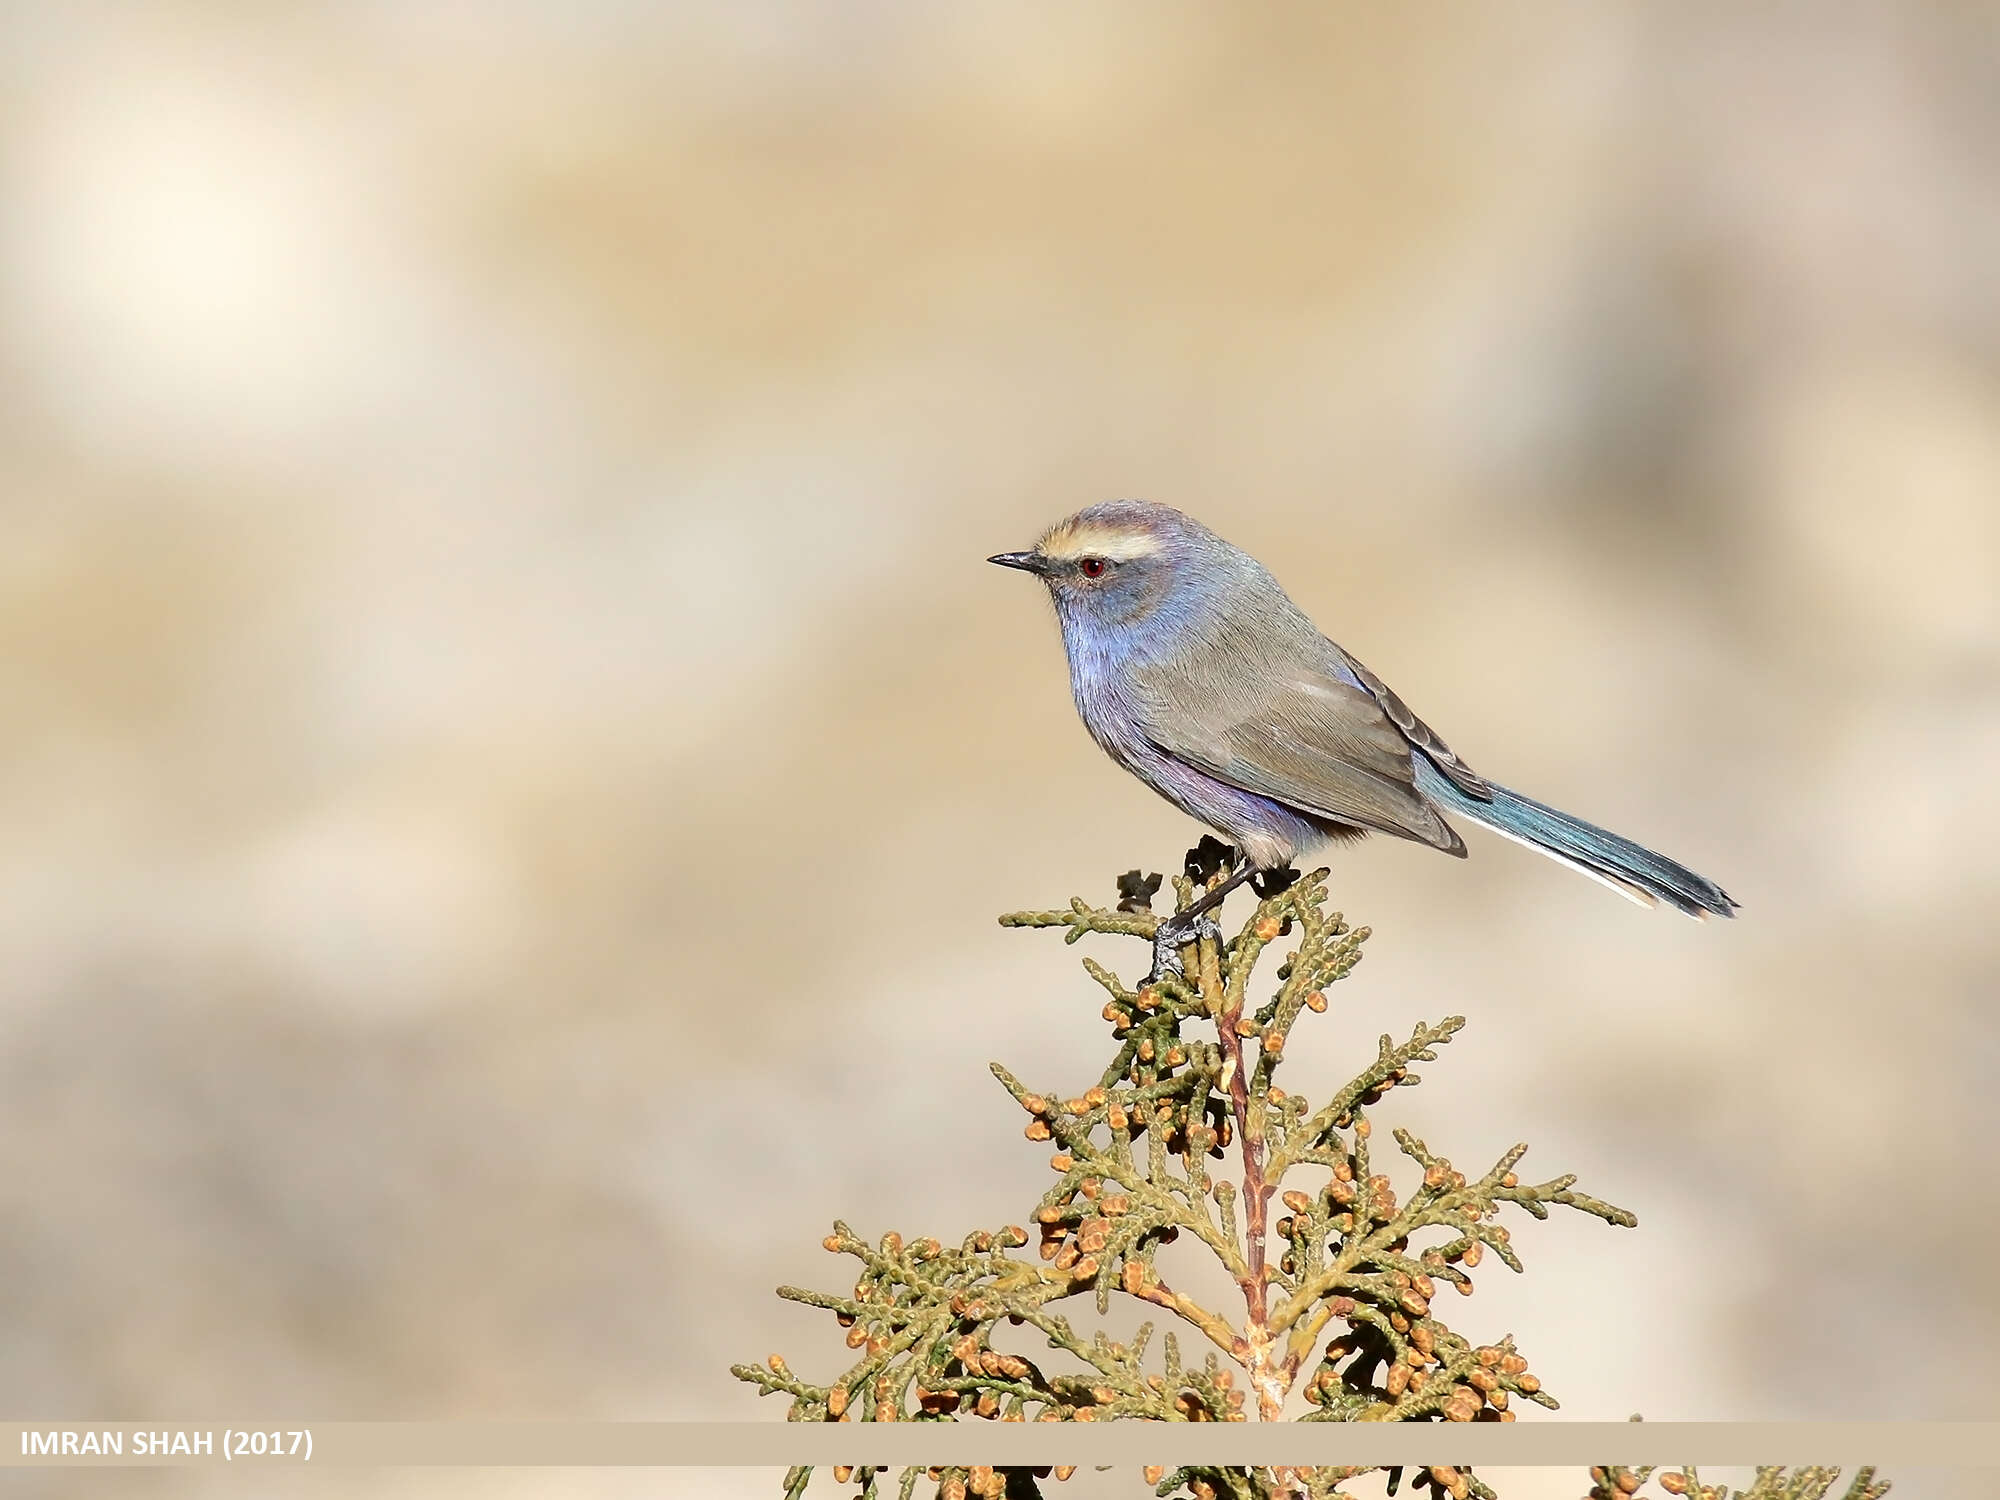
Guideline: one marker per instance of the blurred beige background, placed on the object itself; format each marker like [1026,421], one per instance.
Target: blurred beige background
[512,755]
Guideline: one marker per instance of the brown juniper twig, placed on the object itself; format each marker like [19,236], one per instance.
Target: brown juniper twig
[933,1327]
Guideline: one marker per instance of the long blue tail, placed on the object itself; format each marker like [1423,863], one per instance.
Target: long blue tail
[1635,872]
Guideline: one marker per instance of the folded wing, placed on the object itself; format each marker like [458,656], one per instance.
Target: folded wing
[1305,738]
[1417,732]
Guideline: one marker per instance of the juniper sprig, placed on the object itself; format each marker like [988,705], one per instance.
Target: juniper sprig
[1192,1083]
[1609,1482]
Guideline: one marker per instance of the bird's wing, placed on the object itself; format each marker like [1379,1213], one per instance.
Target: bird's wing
[1417,732]
[1305,738]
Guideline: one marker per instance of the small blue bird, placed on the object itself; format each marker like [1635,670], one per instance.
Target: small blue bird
[1197,674]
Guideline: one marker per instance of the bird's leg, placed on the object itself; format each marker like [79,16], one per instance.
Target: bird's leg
[1191,925]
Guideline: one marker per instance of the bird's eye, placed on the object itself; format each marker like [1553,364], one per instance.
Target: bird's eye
[1093,567]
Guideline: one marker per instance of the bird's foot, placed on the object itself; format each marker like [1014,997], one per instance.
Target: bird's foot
[1173,934]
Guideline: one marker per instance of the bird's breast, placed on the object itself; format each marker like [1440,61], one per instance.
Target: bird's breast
[1105,700]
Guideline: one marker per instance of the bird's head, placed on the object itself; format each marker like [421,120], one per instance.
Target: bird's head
[1117,564]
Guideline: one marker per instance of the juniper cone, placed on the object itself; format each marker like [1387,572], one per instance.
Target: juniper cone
[1196,673]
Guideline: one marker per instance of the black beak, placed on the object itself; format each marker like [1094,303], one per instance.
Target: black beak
[1027,562]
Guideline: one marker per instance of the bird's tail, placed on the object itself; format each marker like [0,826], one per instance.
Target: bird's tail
[1636,873]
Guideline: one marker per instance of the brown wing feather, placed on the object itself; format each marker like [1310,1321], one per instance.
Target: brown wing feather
[1315,743]
[1418,733]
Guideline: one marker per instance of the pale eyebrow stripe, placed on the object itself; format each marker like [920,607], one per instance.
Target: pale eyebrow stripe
[1093,541]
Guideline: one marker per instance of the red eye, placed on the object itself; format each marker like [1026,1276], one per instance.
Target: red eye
[1093,567]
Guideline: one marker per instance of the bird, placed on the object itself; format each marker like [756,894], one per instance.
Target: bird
[1194,670]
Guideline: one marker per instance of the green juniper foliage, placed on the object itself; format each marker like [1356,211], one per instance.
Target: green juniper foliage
[1193,1082]
[1610,1483]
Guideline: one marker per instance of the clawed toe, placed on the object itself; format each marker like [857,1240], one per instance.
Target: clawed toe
[1183,928]
[1165,961]
[1174,934]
